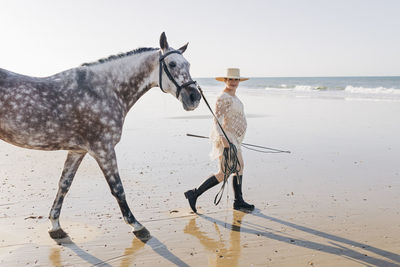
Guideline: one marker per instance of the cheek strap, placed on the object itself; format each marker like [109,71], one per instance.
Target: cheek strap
[169,75]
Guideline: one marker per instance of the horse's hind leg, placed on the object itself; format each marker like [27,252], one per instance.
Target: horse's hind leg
[108,164]
[72,163]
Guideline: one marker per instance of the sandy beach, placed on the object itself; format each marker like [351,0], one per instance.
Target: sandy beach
[334,201]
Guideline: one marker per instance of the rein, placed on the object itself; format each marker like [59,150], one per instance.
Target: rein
[170,77]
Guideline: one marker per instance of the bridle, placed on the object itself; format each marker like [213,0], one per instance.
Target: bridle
[171,78]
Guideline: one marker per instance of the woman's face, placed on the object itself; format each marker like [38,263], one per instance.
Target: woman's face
[232,84]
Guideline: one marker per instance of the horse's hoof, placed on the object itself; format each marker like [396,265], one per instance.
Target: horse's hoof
[143,234]
[58,234]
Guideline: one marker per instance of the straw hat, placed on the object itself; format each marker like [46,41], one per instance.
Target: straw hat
[232,73]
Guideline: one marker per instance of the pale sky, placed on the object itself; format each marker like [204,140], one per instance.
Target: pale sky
[264,38]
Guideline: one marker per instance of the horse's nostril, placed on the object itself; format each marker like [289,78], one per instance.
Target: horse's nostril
[192,97]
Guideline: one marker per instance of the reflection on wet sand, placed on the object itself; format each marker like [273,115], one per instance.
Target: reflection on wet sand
[223,256]
[55,254]
[55,257]
[130,252]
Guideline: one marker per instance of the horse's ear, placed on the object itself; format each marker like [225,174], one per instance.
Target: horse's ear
[183,48]
[163,42]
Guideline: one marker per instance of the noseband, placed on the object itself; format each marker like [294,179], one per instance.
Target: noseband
[171,78]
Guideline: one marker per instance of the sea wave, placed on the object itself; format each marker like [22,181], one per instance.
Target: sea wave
[309,88]
[298,87]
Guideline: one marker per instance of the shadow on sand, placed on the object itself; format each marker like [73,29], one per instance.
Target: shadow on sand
[336,247]
[55,256]
[156,246]
[126,259]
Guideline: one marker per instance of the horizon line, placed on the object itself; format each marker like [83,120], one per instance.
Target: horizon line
[345,76]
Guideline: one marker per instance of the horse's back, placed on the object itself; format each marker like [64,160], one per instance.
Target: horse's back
[29,111]
[21,92]
[9,79]
[63,111]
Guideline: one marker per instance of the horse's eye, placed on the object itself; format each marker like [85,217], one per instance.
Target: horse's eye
[172,64]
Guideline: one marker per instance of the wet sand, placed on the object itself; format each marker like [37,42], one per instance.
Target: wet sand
[334,201]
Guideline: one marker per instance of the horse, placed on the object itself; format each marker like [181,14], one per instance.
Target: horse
[82,110]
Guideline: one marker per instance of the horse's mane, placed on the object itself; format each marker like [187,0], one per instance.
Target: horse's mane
[121,55]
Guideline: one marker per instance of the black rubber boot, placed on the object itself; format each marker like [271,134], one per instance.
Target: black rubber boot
[193,194]
[239,203]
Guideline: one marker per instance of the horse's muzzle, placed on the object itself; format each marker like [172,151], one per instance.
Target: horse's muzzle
[190,97]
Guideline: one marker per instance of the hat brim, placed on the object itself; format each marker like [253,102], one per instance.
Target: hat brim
[222,79]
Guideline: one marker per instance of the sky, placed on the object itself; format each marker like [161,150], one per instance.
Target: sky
[264,38]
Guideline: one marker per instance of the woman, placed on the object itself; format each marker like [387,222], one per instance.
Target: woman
[230,114]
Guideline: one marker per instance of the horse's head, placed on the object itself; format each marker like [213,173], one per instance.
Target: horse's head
[175,76]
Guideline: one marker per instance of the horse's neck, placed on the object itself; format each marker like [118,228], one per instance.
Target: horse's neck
[131,76]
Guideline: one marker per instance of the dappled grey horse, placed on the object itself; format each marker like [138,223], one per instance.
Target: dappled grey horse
[82,110]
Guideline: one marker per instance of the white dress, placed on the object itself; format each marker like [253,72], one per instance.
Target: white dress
[230,113]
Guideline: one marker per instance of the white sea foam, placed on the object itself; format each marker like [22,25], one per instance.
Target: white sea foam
[377,90]
[302,88]
[347,89]
[297,88]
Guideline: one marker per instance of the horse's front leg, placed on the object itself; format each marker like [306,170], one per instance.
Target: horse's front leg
[108,164]
[71,165]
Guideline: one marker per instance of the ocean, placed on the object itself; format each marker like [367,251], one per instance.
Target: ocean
[384,88]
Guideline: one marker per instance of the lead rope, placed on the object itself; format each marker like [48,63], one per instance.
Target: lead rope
[230,158]
[230,164]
